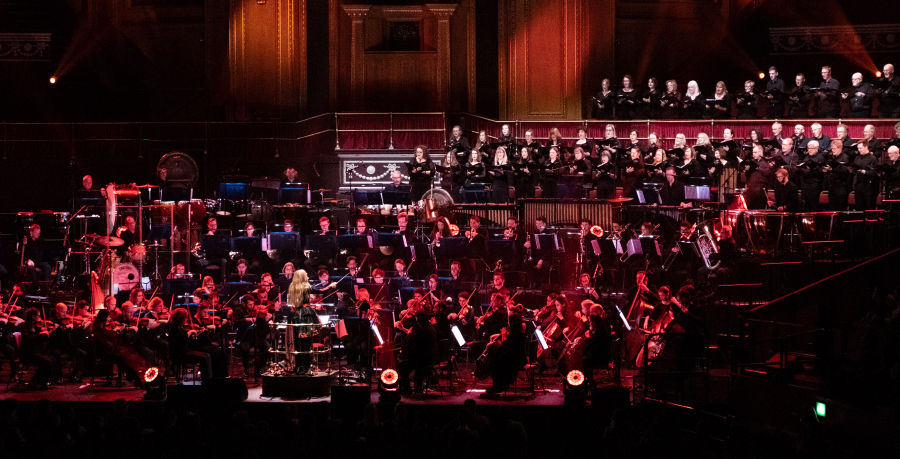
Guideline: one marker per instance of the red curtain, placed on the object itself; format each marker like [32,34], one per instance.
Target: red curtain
[413,130]
[364,131]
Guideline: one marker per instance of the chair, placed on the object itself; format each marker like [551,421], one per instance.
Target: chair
[447,367]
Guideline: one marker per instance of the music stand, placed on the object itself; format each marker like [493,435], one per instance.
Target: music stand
[236,288]
[323,244]
[294,195]
[355,242]
[215,246]
[648,196]
[696,192]
[246,244]
[453,247]
[367,198]
[397,241]
[284,241]
[643,245]
[179,286]
[607,248]
[547,241]
[234,191]
[396,198]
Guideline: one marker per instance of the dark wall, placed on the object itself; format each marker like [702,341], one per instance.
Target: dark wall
[487,101]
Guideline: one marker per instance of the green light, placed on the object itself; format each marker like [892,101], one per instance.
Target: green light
[820,409]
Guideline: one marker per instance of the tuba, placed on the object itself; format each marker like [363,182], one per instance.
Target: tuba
[707,245]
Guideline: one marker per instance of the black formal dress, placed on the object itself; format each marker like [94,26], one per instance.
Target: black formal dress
[798,100]
[421,175]
[829,102]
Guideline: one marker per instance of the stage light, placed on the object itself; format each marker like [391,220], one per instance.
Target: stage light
[150,374]
[762,75]
[574,388]
[388,383]
[52,80]
[575,378]
[820,409]
[389,379]
[878,74]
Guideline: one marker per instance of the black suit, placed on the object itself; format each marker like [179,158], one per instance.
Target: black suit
[672,195]
[421,350]
[787,196]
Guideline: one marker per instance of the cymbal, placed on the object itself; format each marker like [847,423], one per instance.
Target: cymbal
[153,245]
[148,186]
[111,241]
[619,199]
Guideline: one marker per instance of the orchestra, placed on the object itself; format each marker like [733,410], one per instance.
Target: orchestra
[435,277]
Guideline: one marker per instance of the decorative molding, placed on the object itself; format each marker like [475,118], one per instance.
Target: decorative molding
[470,57]
[443,12]
[357,15]
[879,38]
[33,47]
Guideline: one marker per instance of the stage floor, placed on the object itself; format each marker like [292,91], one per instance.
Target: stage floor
[466,387]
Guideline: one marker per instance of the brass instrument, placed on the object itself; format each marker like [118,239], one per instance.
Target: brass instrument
[596,230]
[528,250]
[707,245]
[667,264]
[454,230]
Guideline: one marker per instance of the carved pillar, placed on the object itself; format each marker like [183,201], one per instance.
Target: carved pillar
[357,15]
[443,12]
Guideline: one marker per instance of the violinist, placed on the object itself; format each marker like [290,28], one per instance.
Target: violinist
[599,344]
[34,349]
[586,285]
[434,295]
[180,336]
[420,351]
[252,332]
[152,329]
[407,316]
[495,318]
[546,312]
[462,317]
[137,298]
[509,357]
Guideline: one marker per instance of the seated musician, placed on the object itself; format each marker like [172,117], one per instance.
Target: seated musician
[287,274]
[787,198]
[34,255]
[212,228]
[490,322]
[62,341]
[289,178]
[586,284]
[434,295]
[724,261]
[420,351]
[477,238]
[252,334]
[242,275]
[400,271]
[497,283]
[317,258]
[177,272]
[672,191]
[180,335]
[128,234]
[397,182]
[110,343]
[542,259]
[406,318]
[642,292]
[378,276]
[462,316]
[660,309]
[599,343]
[509,357]
[680,266]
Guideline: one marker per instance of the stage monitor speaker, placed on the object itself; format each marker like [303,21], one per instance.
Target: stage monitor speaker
[348,402]
[609,398]
[221,391]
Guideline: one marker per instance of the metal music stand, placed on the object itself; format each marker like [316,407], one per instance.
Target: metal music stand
[294,195]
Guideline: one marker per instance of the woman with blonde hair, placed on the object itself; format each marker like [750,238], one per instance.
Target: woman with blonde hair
[499,172]
[694,102]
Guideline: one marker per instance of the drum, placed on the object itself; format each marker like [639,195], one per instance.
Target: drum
[735,219]
[193,210]
[126,276]
[161,211]
[815,226]
[261,211]
[242,209]
[24,220]
[137,252]
[764,230]
[224,207]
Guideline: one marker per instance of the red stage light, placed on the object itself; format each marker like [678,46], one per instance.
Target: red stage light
[878,74]
[52,80]
[389,377]
[150,374]
[762,75]
[575,378]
